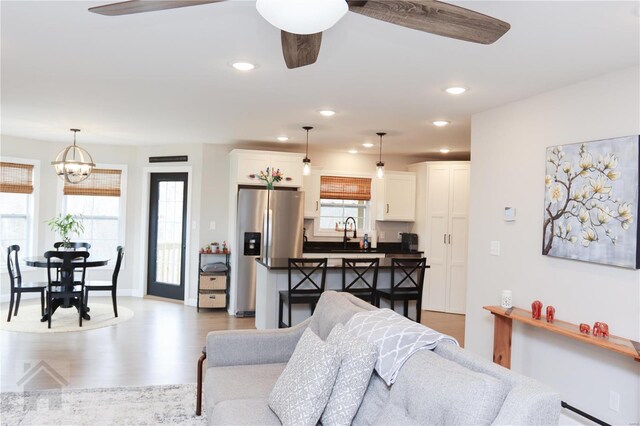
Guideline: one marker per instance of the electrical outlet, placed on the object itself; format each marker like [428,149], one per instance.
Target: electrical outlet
[381,235]
[212,225]
[400,235]
[614,401]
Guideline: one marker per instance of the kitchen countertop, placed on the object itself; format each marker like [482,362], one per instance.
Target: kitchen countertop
[383,248]
[332,264]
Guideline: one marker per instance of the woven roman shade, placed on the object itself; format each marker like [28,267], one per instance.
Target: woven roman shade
[101,182]
[16,178]
[345,188]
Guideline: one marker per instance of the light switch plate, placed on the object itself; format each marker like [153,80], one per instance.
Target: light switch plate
[212,225]
[495,248]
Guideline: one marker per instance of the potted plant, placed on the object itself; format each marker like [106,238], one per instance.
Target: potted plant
[66,226]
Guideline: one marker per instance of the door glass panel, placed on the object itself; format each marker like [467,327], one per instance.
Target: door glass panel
[169,238]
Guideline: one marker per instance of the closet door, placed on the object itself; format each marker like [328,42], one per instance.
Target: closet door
[457,240]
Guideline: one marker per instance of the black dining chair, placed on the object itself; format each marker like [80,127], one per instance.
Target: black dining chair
[59,289]
[105,285]
[17,286]
[312,274]
[360,277]
[407,281]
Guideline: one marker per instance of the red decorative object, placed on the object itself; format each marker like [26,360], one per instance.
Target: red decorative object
[601,329]
[585,328]
[551,313]
[536,309]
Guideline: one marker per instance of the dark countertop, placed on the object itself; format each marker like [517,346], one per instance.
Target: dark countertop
[330,247]
[283,264]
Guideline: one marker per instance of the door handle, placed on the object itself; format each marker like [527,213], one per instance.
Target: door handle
[449,238]
[387,207]
[444,238]
[316,206]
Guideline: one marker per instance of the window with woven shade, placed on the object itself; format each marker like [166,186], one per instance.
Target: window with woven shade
[16,205]
[342,197]
[100,201]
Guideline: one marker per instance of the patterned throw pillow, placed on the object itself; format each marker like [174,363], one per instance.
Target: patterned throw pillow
[358,359]
[303,389]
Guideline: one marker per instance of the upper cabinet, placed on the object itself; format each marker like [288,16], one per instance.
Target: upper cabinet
[311,188]
[245,163]
[397,197]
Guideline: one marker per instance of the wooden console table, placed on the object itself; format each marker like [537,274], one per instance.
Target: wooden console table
[503,322]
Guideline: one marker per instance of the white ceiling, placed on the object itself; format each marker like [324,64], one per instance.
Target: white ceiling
[164,77]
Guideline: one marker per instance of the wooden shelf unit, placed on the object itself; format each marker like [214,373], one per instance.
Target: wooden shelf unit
[503,322]
[213,287]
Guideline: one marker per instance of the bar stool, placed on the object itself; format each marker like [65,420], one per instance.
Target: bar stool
[365,282]
[306,291]
[407,281]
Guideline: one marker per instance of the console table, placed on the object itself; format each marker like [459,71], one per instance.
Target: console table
[503,322]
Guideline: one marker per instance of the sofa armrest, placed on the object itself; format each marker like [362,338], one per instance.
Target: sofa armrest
[530,403]
[246,347]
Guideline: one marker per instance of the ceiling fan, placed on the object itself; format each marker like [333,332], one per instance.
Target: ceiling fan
[301,42]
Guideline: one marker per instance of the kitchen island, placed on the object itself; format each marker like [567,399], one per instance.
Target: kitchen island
[272,277]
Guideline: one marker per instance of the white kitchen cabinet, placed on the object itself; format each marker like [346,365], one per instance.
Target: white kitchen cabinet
[311,188]
[447,214]
[250,162]
[397,197]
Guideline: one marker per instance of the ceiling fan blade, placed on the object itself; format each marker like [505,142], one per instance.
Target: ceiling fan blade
[434,17]
[141,6]
[300,49]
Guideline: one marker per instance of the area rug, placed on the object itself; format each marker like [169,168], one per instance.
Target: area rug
[64,320]
[146,405]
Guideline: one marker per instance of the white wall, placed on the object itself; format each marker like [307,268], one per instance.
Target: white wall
[508,168]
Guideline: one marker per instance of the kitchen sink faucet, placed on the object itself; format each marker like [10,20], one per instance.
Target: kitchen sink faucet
[355,235]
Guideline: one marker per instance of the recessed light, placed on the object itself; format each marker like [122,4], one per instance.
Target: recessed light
[456,90]
[243,66]
[353,151]
[367,144]
[440,123]
[445,150]
[282,138]
[327,112]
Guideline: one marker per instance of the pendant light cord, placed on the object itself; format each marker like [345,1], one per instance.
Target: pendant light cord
[307,128]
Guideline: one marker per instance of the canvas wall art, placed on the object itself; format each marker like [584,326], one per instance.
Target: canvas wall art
[591,202]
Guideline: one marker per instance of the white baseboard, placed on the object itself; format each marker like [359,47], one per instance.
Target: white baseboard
[192,302]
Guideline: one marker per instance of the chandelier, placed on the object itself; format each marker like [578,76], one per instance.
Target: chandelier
[73,164]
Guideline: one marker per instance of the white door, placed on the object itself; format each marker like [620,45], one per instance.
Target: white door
[457,241]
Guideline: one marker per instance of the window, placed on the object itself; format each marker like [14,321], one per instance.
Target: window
[16,206]
[98,200]
[343,197]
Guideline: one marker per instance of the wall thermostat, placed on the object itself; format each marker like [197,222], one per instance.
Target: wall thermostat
[509,214]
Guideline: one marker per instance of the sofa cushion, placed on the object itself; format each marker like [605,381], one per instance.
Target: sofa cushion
[239,382]
[357,360]
[302,391]
[433,390]
[253,411]
[335,308]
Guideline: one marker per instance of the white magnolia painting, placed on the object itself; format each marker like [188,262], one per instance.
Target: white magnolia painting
[591,202]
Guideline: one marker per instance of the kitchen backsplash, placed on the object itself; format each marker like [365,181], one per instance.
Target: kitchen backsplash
[387,232]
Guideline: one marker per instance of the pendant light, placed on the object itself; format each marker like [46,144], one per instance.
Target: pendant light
[73,164]
[306,162]
[380,163]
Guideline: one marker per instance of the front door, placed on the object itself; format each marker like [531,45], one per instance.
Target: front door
[167,235]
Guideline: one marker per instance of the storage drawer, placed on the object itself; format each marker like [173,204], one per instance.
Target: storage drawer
[213,282]
[213,299]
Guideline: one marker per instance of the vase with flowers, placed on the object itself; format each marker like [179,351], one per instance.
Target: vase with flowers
[270,176]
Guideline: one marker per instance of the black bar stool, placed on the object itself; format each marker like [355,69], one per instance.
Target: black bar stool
[306,291]
[407,281]
[365,282]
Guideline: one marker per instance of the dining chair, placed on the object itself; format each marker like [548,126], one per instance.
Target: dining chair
[360,277]
[17,286]
[407,282]
[59,289]
[105,285]
[312,274]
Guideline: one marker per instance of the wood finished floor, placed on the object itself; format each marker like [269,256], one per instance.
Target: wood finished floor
[159,345]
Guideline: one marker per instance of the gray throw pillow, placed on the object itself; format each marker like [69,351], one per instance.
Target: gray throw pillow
[303,389]
[358,359]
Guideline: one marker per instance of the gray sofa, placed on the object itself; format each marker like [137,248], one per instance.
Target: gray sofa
[446,386]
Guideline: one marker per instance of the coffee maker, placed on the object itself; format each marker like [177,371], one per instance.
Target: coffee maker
[409,242]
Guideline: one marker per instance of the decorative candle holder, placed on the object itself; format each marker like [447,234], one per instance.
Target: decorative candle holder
[506,300]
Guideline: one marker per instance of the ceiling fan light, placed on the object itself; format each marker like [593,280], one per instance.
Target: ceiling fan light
[302,16]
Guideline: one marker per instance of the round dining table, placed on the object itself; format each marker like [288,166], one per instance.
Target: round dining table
[66,278]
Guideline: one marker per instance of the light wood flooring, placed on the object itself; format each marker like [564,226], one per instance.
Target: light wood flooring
[159,345]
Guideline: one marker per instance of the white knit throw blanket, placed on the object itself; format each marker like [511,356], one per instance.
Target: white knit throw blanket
[396,337]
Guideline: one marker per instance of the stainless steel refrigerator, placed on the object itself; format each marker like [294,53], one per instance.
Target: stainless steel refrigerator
[270,226]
